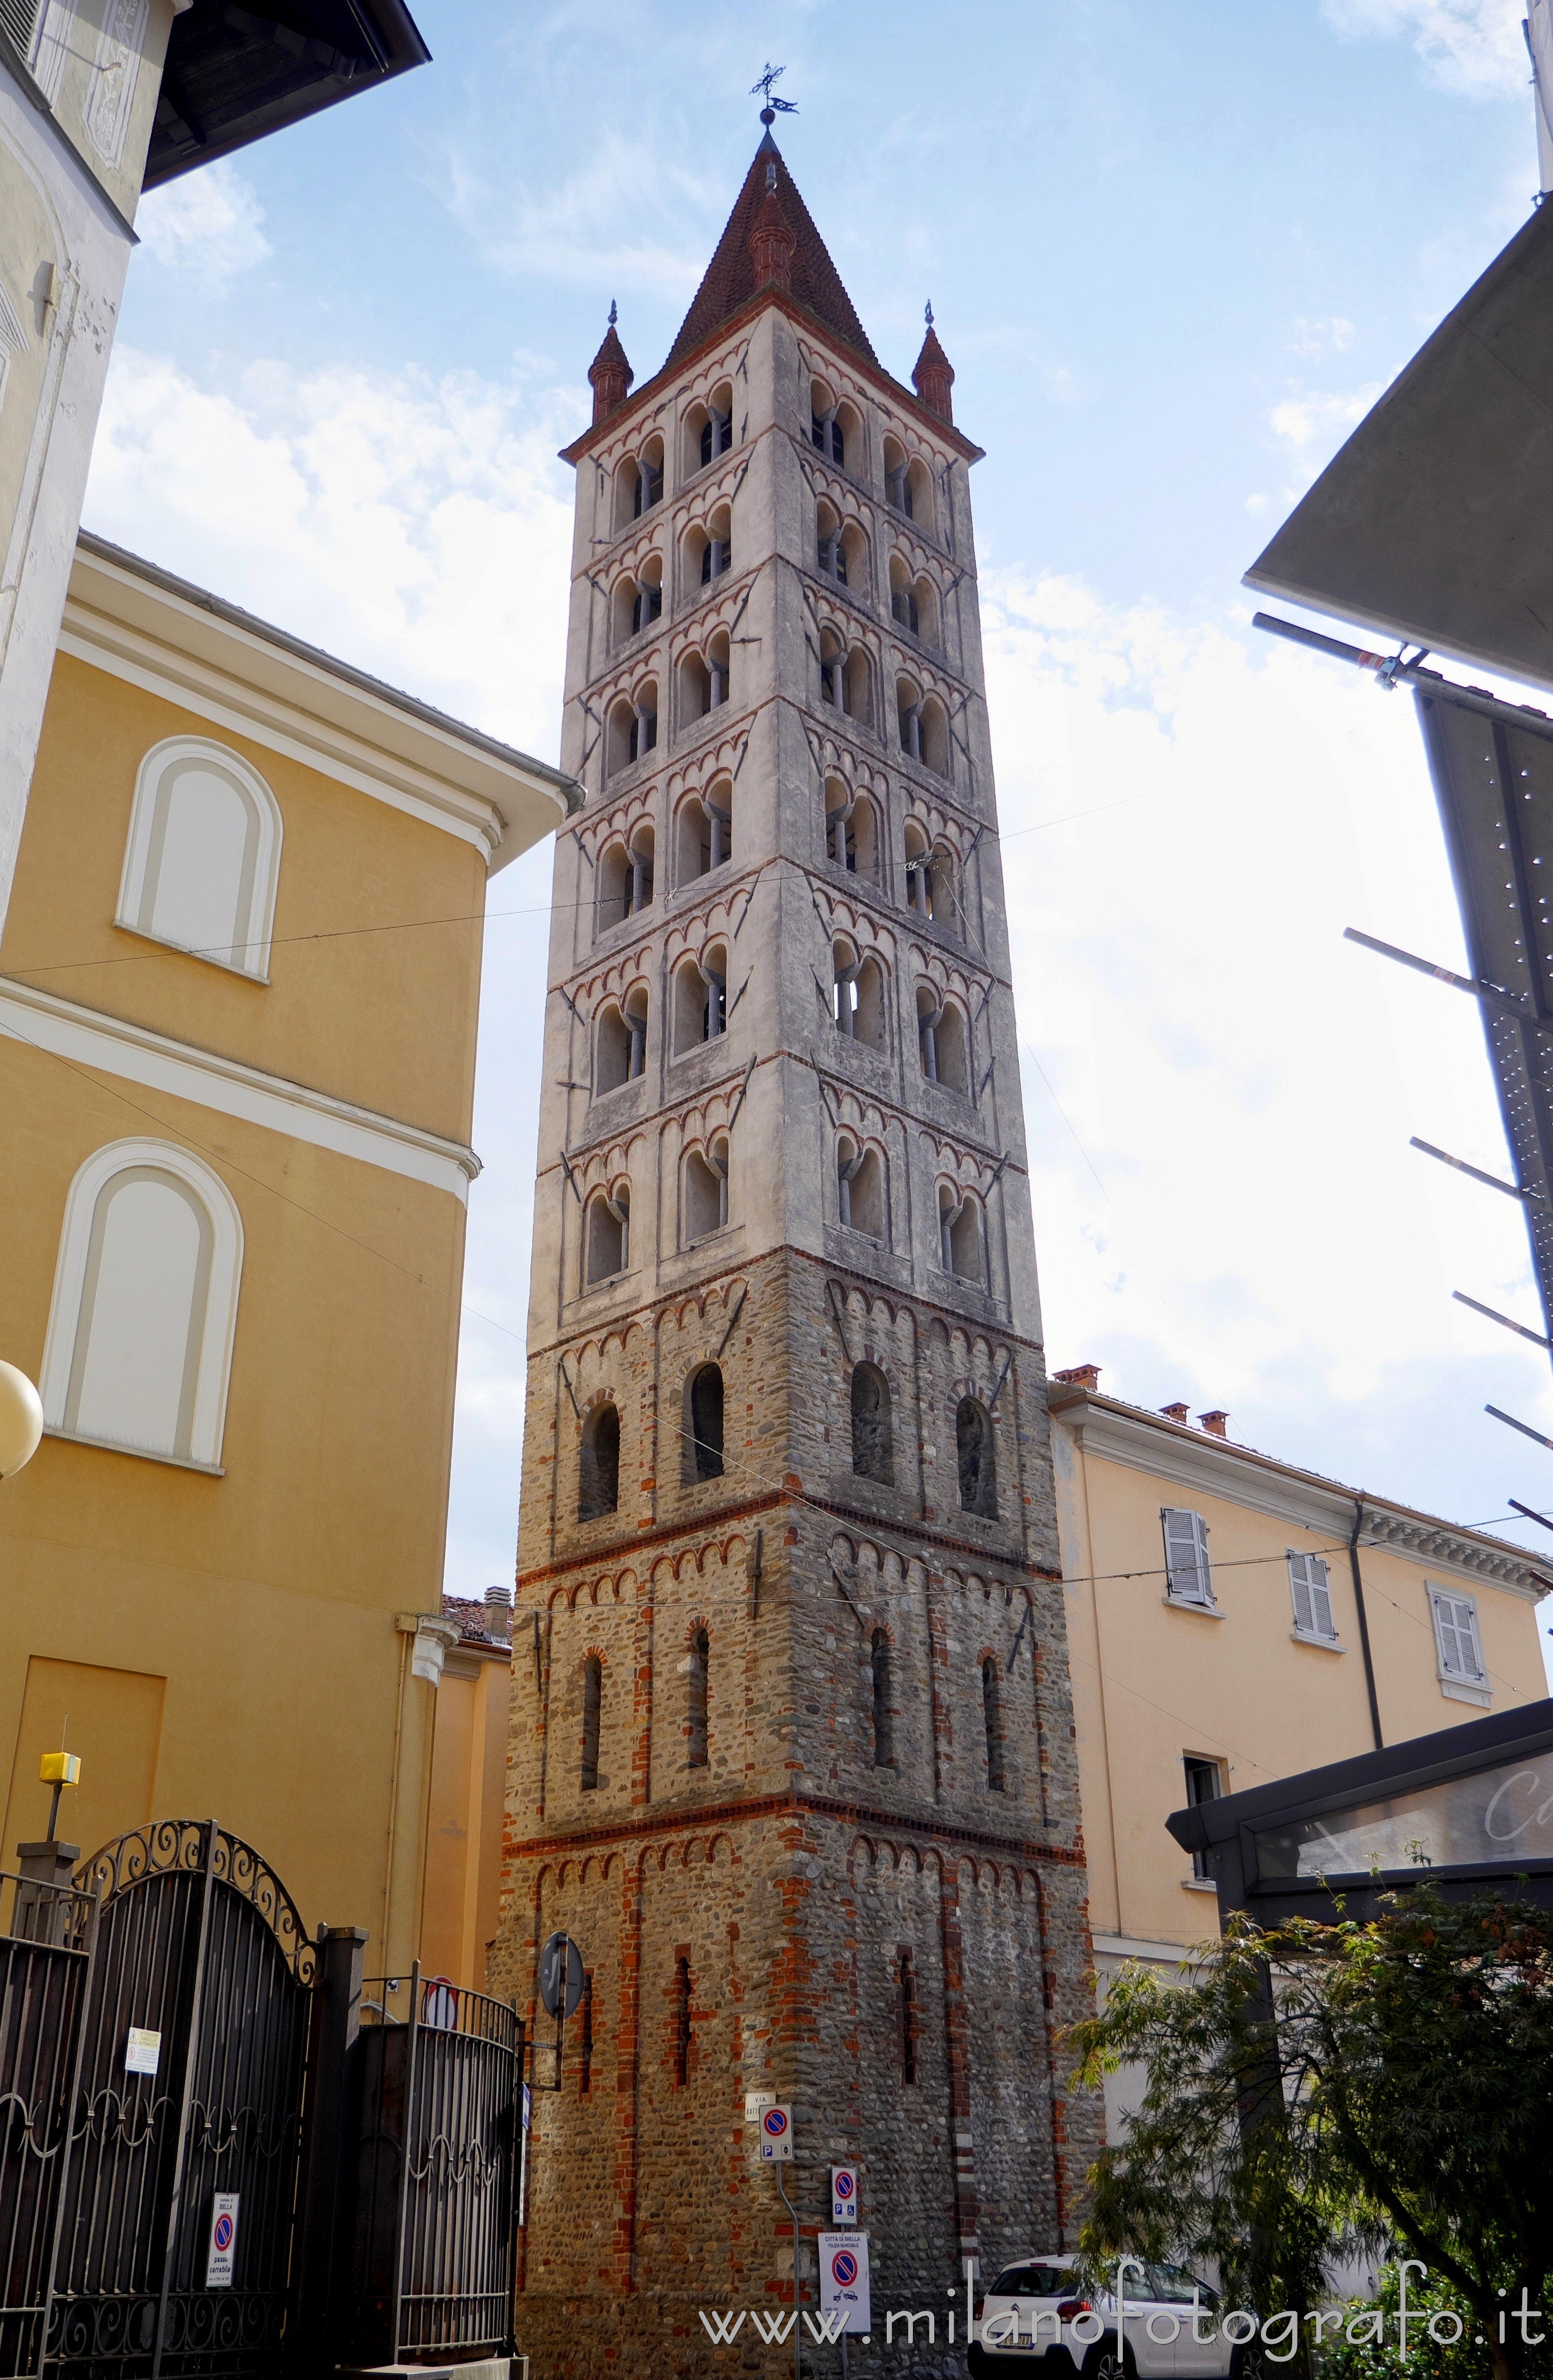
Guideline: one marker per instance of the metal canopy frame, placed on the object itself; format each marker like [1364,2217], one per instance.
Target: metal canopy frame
[1226,1831]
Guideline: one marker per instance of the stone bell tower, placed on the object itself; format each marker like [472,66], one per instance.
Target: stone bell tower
[793,1757]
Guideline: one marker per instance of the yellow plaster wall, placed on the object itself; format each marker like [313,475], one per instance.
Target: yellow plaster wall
[383,1018]
[1153,1680]
[464,1820]
[262,1604]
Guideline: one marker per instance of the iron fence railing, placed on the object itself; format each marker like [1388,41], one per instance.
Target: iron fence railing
[45,1939]
[436,2110]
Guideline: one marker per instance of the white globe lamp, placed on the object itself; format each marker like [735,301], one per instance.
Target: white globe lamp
[21,1420]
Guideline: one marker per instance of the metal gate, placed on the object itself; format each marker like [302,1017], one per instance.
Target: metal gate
[201,1957]
[433,2122]
[206,2167]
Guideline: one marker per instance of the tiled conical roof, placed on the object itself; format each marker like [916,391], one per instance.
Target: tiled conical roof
[730,278]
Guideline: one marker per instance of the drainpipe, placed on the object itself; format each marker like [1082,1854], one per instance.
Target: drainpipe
[1364,1622]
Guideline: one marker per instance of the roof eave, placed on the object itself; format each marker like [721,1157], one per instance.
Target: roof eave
[580,447]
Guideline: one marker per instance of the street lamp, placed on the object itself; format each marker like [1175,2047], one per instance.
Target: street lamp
[21,1420]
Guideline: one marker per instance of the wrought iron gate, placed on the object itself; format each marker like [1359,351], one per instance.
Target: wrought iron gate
[200,1946]
[177,2056]
[433,2122]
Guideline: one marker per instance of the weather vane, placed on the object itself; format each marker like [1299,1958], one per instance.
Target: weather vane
[774,106]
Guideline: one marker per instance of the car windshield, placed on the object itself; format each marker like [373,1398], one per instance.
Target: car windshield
[1170,2286]
[1034,2281]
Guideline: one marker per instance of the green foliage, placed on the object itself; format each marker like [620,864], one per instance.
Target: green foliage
[1363,2358]
[1402,2092]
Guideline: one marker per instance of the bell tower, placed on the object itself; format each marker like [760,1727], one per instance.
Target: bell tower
[792,1753]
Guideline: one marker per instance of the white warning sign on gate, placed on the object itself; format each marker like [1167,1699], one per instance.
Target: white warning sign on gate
[223,2251]
[844,2279]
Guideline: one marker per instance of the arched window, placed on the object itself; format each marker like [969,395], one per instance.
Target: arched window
[705,826]
[633,729]
[695,1700]
[620,1048]
[941,1039]
[843,675]
[703,679]
[860,1191]
[682,2021]
[959,1237]
[705,1414]
[827,430]
[637,602]
[708,549]
[701,999]
[903,596]
[203,855]
[648,489]
[708,428]
[932,739]
[972,1453]
[705,1191]
[592,1707]
[992,1721]
[908,2019]
[609,1233]
[879,1665]
[598,1471]
[857,996]
[873,1453]
[145,1305]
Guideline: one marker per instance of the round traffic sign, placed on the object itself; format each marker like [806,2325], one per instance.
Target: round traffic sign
[775,2123]
[560,1969]
[224,2231]
[845,2183]
[843,2269]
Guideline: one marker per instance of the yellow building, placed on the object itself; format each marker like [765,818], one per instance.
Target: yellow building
[468,1793]
[238,988]
[1231,1619]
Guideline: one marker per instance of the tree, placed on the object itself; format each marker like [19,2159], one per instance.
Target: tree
[1385,2084]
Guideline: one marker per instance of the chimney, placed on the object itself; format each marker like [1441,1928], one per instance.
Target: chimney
[932,375]
[609,375]
[499,1601]
[1217,1424]
[1176,1412]
[770,243]
[1083,1376]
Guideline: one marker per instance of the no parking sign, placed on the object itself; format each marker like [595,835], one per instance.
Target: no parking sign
[220,2254]
[776,2135]
[844,2193]
[843,2278]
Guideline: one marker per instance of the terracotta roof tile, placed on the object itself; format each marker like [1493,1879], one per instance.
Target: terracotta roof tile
[729,280]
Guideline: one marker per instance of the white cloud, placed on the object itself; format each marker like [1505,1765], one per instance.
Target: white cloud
[1244,1084]
[1312,418]
[205,224]
[1315,337]
[1472,47]
[419,528]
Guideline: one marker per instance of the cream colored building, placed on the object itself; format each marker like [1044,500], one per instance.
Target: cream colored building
[1232,1619]
[238,990]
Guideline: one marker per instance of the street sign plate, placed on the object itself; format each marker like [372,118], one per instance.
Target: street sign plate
[560,1967]
[843,2278]
[844,2193]
[756,2104]
[776,2135]
[222,2252]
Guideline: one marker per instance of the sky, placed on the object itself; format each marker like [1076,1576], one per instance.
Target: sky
[1174,254]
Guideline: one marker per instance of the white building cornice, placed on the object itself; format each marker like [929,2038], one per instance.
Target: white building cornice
[1210,1466]
[173,640]
[84,1036]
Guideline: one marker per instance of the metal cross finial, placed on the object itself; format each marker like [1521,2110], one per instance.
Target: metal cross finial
[774,106]
[613,315]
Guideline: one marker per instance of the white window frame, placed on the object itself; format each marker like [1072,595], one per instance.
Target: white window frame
[213,1356]
[1198,1595]
[1455,1682]
[1308,1576]
[136,892]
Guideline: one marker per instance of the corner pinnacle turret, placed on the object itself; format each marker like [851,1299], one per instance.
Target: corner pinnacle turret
[610,374]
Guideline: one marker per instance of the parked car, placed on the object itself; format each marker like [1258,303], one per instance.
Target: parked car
[1043,2296]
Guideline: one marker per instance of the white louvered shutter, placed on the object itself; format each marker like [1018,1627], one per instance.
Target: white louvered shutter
[1461,1654]
[1186,1569]
[20,19]
[1313,1597]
